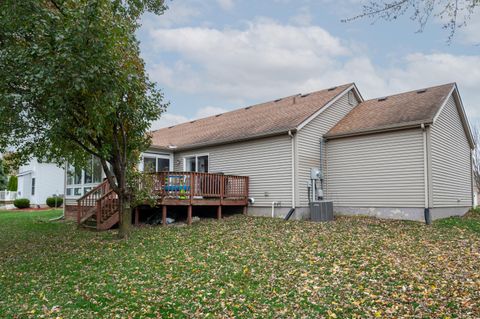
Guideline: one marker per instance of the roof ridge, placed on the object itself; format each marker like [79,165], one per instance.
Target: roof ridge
[410,91]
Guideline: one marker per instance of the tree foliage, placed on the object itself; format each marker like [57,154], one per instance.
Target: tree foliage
[454,14]
[72,84]
[3,177]
[12,183]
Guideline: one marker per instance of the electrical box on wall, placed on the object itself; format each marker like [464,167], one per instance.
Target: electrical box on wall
[316,173]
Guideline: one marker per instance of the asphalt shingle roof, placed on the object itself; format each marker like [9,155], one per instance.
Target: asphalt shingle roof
[264,119]
[395,111]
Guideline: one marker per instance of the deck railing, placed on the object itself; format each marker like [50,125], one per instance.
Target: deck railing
[7,196]
[87,204]
[193,185]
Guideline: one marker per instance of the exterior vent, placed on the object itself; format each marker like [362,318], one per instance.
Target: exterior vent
[422,91]
[248,108]
[171,126]
[192,121]
[305,95]
[277,100]
[332,89]
[218,115]
[382,99]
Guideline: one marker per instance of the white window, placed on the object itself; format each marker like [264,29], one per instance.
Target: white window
[196,163]
[81,181]
[156,162]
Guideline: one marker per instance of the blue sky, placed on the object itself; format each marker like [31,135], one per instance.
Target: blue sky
[211,56]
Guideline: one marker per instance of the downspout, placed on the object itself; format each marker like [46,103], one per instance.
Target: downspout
[428,217]
[472,178]
[292,136]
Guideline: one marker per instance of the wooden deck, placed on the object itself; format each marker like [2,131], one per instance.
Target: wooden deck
[189,189]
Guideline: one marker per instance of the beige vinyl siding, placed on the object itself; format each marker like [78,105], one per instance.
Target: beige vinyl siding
[308,143]
[450,160]
[266,161]
[377,170]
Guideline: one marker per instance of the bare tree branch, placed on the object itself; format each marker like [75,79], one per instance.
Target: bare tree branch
[454,14]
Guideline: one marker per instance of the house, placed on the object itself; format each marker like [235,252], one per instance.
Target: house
[37,181]
[402,156]
[476,197]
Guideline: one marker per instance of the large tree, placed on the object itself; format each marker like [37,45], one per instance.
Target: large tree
[72,85]
[453,14]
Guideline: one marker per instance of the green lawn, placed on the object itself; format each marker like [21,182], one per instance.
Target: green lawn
[241,267]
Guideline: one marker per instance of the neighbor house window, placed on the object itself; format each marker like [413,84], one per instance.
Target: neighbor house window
[197,163]
[33,186]
[81,181]
[97,170]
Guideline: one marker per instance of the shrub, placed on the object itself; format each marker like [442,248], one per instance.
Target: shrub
[54,201]
[21,203]
[12,184]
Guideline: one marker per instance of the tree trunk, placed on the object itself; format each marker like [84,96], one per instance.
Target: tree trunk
[125,220]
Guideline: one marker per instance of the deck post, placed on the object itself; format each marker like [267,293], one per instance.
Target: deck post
[222,188]
[99,214]
[137,215]
[189,215]
[245,209]
[219,212]
[164,215]
[79,211]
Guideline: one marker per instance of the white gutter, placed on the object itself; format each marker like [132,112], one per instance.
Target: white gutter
[293,167]
[425,164]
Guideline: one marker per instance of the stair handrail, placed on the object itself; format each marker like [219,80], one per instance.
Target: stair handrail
[90,199]
[100,206]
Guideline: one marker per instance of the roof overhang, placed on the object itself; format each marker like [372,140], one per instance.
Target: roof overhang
[382,129]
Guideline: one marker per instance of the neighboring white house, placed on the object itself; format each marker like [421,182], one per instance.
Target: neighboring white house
[394,157]
[37,181]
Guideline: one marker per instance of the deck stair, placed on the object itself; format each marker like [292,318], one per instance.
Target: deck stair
[98,208]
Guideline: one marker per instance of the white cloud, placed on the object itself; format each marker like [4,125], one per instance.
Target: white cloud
[226,4]
[265,60]
[255,62]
